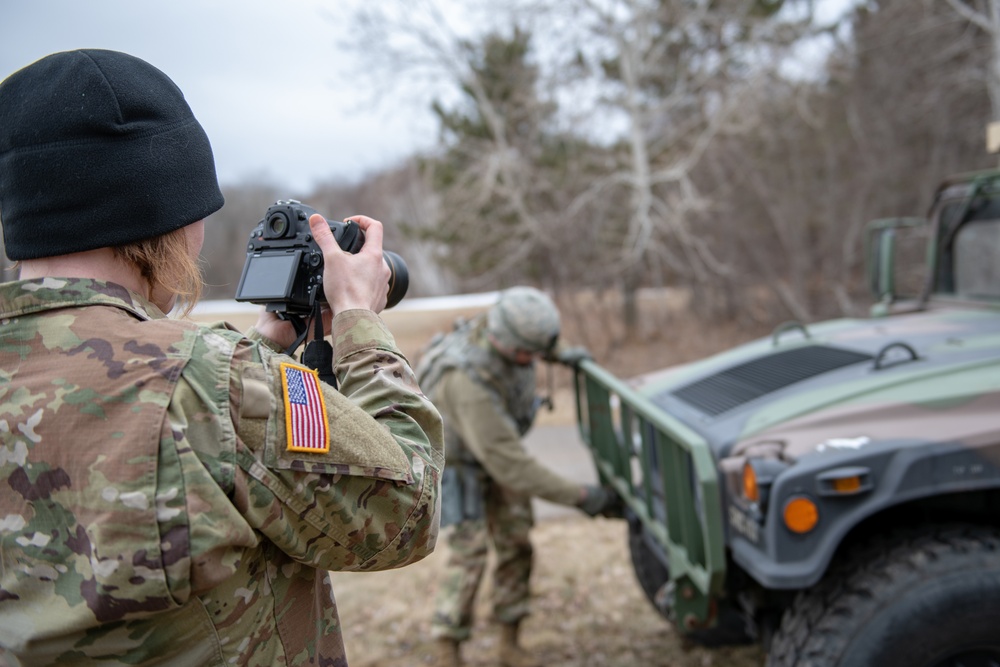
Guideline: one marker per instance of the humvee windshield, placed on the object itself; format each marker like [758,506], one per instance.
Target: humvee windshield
[969,266]
[977,260]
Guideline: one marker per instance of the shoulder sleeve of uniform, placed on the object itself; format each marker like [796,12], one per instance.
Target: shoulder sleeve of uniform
[313,427]
[338,479]
[376,376]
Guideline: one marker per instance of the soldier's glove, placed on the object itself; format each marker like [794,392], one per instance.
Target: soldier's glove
[600,500]
[569,356]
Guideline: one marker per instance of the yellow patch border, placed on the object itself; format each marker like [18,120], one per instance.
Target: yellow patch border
[288,412]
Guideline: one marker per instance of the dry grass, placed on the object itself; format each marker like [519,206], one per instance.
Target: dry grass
[587,610]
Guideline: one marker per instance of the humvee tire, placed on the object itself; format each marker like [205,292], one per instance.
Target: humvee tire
[652,574]
[924,599]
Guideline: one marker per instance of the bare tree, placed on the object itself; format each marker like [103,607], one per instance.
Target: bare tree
[900,107]
[985,15]
[676,73]
[636,142]
[403,200]
[487,113]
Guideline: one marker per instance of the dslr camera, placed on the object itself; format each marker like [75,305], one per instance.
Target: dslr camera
[284,265]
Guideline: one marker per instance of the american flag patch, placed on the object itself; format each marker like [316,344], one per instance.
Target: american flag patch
[305,411]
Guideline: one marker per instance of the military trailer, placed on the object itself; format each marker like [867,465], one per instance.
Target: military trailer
[831,491]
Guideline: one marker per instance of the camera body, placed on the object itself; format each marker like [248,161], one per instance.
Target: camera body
[284,265]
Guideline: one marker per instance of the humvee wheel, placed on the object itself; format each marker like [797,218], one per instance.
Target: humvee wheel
[928,599]
[652,574]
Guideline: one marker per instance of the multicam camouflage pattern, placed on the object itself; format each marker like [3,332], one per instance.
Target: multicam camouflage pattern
[153,512]
[488,403]
[507,523]
[467,348]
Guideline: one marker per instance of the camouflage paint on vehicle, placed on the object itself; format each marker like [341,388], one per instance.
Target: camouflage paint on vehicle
[858,416]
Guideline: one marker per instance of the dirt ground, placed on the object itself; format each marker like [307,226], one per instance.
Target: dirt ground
[588,610]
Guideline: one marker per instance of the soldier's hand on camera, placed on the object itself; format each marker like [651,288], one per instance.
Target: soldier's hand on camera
[353,281]
[350,281]
[599,500]
[281,332]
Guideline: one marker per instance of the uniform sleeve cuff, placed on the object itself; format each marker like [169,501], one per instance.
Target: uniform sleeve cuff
[359,330]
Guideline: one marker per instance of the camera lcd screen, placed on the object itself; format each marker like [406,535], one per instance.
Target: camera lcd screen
[268,277]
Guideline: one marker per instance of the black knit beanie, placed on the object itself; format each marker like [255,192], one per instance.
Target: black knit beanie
[98,148]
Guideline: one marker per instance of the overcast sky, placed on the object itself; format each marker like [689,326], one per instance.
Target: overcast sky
[270,80]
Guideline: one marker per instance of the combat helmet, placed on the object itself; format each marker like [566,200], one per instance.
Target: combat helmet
[523,319]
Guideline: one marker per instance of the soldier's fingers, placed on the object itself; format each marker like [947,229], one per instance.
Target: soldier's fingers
[373,233]
[321,233]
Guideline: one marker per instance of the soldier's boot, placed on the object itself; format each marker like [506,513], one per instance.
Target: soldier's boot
[445,653]
[511,653]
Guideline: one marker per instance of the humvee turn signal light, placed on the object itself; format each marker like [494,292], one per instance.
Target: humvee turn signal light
[847,484]
[846,481]
[801,514]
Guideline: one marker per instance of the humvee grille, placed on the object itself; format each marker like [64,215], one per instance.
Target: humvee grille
[741,384]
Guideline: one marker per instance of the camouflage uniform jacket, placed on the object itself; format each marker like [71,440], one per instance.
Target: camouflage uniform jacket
[488,403]
[152,510]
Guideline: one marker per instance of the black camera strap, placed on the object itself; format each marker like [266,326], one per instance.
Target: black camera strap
[318,354]
[301,329]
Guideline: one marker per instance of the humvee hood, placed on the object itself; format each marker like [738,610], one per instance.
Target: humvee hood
[884,377]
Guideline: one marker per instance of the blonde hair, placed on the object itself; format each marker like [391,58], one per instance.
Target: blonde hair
[165,261]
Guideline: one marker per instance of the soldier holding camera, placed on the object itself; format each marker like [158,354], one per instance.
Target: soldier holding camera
[176,493]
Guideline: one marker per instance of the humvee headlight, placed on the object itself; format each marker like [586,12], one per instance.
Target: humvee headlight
[801,514]
[758,476]
[750,489]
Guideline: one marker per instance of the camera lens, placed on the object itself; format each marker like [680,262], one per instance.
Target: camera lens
[399,280]
[277,225]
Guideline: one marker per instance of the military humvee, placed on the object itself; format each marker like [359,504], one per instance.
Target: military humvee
[832,491]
